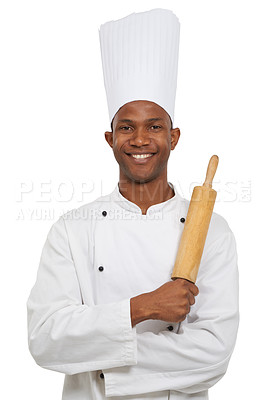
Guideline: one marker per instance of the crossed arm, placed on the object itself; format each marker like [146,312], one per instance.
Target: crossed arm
[68,336]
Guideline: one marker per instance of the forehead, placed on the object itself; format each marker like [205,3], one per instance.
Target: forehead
[141,110]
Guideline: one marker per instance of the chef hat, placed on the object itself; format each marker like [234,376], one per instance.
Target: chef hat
[140,59]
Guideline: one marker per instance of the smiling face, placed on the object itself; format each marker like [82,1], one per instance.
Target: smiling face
[142,139]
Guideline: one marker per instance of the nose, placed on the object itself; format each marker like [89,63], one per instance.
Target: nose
[139,138]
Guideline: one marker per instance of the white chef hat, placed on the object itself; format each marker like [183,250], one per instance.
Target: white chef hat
[140,59]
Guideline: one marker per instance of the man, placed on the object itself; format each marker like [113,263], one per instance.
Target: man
[104,310]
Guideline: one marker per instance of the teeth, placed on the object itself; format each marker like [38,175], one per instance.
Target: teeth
[141,155]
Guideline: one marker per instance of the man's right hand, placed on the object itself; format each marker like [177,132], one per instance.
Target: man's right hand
[170,302]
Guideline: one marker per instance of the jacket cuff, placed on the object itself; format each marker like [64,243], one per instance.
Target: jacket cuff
[129,334]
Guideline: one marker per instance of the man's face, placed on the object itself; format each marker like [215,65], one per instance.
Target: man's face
[142,139]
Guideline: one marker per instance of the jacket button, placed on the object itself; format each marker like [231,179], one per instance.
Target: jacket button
[104,213]
[101,375]
[182,220]
[170,328]
[101,268]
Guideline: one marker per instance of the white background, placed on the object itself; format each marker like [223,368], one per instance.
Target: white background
[53,118]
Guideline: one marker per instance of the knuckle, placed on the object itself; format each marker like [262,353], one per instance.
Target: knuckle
[184,303]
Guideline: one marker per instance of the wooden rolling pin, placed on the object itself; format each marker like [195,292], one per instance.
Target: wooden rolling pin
[196,227]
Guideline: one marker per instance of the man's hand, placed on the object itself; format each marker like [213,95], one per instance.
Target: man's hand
[170,302]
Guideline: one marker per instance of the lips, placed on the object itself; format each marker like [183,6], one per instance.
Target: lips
[140,157]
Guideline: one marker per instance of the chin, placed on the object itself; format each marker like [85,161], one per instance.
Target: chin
[140,176]
[139,179]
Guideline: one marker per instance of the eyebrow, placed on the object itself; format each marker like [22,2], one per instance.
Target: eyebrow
[147,120]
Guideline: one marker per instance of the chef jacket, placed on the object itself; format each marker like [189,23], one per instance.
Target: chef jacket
[97,257]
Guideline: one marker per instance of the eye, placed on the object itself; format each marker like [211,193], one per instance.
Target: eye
[124,128]
[155,127]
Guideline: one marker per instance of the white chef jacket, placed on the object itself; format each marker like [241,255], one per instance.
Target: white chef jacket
[94,260]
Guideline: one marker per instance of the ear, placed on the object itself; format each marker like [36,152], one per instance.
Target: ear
[109,138]
[175,135]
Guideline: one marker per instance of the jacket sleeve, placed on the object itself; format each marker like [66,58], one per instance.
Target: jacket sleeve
[196,357]
[66,335]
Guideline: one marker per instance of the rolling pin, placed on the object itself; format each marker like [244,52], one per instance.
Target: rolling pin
[196,227]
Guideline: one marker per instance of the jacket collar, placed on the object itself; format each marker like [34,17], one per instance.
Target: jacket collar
[173,204]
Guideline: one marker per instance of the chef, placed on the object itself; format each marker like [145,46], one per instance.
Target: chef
[104,310]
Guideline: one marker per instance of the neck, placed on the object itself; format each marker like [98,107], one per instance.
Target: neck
[145,195]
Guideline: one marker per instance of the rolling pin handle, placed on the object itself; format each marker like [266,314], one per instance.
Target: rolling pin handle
[211,171]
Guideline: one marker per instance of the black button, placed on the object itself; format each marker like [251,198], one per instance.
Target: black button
[104,213]
[170,328]
[101,375]
[101,268]
[182,220]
